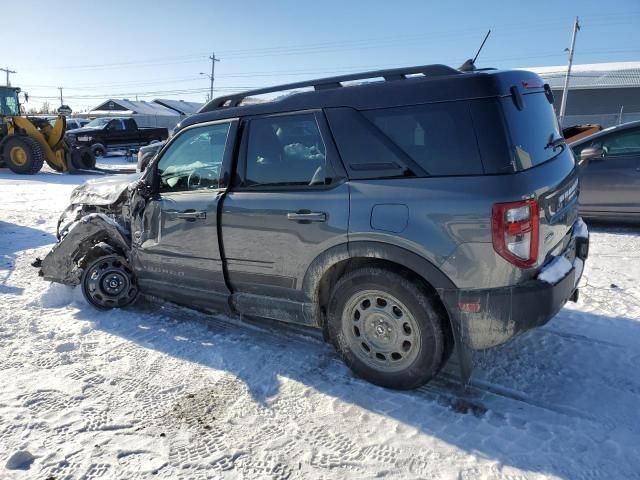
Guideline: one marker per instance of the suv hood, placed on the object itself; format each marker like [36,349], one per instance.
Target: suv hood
[103,191]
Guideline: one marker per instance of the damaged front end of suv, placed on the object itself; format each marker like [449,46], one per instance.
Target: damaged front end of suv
[97,223]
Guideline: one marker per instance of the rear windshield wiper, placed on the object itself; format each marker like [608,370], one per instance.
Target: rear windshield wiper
[555,142]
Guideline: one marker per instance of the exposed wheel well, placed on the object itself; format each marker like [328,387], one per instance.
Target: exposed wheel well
[333,274]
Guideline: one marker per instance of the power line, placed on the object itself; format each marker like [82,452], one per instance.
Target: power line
[328,47]
[275,73]
[7,71]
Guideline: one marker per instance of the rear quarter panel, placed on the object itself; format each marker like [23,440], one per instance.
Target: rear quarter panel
[449,219]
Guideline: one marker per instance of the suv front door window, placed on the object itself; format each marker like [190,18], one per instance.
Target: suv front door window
[194,160]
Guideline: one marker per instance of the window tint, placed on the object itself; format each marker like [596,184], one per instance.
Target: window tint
[365,151]
[622,143]
[285,150]
[491,133]
[115,125]
[531,128]
[194,160]
[130,124]
[439,137]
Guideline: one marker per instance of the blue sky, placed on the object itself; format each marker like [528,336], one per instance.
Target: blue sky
[114,48]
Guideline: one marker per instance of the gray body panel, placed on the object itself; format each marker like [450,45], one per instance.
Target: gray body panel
[269,254]
[182,252]
[449,219]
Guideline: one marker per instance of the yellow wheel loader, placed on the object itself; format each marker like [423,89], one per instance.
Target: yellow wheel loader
[27,143]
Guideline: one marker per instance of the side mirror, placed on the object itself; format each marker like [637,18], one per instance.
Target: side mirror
[592,154]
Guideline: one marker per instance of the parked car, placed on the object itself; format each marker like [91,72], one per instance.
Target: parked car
[74,123]
[576,132]
[610,173]
[114,133]
[146,154]
[402,217]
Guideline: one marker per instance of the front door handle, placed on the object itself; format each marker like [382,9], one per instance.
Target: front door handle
[306,216]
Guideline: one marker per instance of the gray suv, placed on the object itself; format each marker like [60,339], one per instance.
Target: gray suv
[428,210]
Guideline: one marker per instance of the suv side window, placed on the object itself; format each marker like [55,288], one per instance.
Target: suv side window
[193,161]
[285,150]
[439,137]
[622,143]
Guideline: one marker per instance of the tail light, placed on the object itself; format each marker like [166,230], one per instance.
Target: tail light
[515,228]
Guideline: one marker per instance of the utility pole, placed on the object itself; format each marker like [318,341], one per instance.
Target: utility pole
[565,92]
[212,76]
[61,101]
[8,83]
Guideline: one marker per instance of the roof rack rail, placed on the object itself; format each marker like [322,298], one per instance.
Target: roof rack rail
[234,100]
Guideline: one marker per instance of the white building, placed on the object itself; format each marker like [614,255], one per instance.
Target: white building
[604,93]
[157,113]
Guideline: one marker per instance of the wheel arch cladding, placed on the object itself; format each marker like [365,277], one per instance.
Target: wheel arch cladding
[329,266]
[62,263]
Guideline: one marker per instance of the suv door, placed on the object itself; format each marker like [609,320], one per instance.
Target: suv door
[289,204]
[176,251]
[611,183]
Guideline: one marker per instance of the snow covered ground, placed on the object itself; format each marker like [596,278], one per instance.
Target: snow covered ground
[163,392]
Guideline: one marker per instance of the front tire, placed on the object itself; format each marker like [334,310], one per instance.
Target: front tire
[23,155]
[98,150]
[108,282]
[386,328]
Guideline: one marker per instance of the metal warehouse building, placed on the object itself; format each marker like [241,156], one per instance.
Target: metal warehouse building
[157,113]
[604,93]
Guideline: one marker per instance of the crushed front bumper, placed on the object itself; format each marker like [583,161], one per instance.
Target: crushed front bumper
[486,318]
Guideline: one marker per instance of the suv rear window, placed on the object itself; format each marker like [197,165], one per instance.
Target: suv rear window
[439,137]
[531,128]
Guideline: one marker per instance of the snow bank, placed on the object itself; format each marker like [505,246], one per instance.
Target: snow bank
[53,295]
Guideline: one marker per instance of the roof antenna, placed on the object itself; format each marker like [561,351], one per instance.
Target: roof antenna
[470,65]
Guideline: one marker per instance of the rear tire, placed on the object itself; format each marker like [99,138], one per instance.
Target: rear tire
[386,328]
[108,282]
[23,155]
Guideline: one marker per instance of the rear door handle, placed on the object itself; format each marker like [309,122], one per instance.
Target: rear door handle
[190,215]
[305,216]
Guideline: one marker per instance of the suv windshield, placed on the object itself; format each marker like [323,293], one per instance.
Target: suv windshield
[98,122]
[532,130]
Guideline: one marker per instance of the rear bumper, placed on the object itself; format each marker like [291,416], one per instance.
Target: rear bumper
[487,318]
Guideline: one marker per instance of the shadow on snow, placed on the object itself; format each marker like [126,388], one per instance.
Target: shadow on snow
[16,238]
[585,391]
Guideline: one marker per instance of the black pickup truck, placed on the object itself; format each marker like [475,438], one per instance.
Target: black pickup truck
[114,133]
